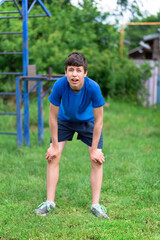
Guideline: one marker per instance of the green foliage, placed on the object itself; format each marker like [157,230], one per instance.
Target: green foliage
[130,189]
[71,29]
[120,77]
[131,5]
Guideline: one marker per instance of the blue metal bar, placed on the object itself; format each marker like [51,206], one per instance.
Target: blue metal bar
[19,113]
[47,92]
[44,8]
[33,88]
[10,17]
[40,78]
[38,16]
[7,93]
[6,12]
[3,33]
[25,36]
[25,67]
[7,113]
[30,91]
[18,7]
[33,3]
[11,53]
[34,79]
[8,133]
[26,114]
[2,1]
[11,73]
[40,112]
[24,16]
[21,17]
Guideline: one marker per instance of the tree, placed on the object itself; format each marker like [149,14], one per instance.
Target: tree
[71,28]
[130,5]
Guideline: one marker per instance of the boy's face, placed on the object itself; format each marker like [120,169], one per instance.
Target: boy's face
[75,76]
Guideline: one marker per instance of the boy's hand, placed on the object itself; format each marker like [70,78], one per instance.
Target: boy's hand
[97,156]
[52,153]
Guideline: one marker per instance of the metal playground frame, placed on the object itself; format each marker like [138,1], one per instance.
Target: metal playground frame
[23,96]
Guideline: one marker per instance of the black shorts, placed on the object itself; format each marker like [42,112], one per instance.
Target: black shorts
[67,129]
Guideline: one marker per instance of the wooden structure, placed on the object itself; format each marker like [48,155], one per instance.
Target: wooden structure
[132,24]
[147,51]
[149,48]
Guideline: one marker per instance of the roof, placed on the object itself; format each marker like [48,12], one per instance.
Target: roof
[151,37]
[144,45]
[137,49]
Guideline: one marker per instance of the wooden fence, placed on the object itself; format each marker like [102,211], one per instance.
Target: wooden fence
[153,83]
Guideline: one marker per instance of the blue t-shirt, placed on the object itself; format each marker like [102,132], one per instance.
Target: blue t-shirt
[76,106]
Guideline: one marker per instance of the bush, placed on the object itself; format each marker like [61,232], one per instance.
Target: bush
[120,77]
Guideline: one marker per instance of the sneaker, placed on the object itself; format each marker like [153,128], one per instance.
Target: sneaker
[44,208]
[99,211]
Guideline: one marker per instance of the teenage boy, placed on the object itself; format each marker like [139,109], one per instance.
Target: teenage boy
[76,105]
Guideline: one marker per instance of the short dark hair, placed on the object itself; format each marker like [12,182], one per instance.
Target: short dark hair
[76,59]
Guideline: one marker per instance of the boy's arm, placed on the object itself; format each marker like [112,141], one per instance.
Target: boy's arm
[98,123]
[53,116]
[53,151]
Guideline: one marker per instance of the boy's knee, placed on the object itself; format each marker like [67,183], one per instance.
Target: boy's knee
[96,164]
[54,161]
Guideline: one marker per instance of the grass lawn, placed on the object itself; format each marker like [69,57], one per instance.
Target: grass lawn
[131,182]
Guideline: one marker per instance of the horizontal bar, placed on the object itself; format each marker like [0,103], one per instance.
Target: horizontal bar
[32,78]
[39,78]
[10,53]
[10,17]
[38,16]
[8,133]
[11,73]
[142,23]
[3,33]
[52,76]
[7,93]
[5,113]
[9,12]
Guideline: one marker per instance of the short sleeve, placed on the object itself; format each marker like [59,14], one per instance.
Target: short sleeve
[55,96]
[97,98]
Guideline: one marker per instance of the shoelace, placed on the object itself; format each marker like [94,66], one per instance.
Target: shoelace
[101,209]
[44,204]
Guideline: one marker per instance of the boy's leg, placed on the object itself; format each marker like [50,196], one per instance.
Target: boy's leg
[96,179]
[53,174]
[96,183]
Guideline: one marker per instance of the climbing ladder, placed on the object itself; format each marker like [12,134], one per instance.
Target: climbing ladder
[3,16]
[23,13]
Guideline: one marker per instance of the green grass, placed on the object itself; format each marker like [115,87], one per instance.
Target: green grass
[131,183]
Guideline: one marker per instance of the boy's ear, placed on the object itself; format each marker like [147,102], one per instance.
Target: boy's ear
[85,73]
